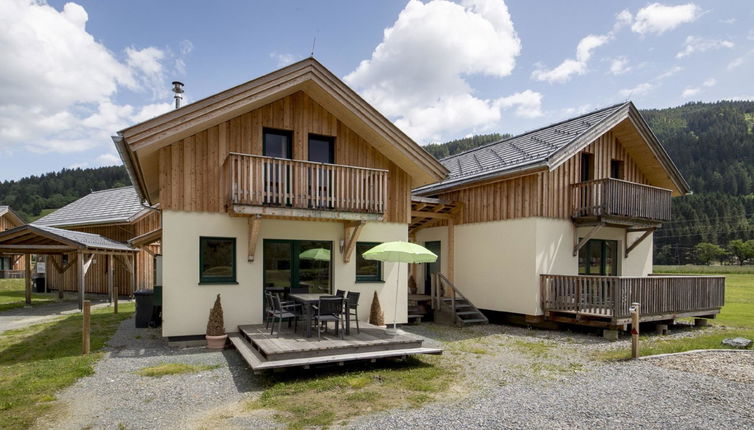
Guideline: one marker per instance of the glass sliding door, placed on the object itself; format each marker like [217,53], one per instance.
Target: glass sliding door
[599,257]
[297,266]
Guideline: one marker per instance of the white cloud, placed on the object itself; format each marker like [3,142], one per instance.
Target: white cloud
[672,71]
[695,44]
[711,82]
[108,159]
[739,61]
[619,66]
[638,90]
[528,103]
[417,74]
[58,84]
[690,92]
[282,60]
[658,18]
[623,19]
[570,67]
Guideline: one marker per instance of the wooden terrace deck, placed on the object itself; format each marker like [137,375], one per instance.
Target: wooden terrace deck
[264,352]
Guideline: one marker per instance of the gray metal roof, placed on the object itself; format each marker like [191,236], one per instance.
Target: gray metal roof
[88,240]
[526,150]
[117,205]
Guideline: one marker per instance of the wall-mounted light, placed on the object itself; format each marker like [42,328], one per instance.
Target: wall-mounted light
[342,244]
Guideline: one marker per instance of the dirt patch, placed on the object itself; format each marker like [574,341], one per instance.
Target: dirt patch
[734,366]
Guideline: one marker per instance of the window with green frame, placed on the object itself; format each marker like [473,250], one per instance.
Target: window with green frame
[367,270]
[217,260]
[599,257]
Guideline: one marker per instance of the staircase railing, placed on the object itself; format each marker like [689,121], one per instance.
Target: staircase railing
[442,282]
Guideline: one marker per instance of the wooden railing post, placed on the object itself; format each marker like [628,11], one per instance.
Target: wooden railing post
[85,329]
[635,330]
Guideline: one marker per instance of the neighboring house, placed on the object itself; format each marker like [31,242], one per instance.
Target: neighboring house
[250,178]
[11,266]
[115,214]
[558,223]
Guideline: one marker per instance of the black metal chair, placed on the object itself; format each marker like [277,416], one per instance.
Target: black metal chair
[352,304]
[329,309]
[282,312]
[340,293]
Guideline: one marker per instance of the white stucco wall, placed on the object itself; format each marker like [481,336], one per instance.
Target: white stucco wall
[186,304]
[497,264]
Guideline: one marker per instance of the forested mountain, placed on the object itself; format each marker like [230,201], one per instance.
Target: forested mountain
[29,196]
[712,144]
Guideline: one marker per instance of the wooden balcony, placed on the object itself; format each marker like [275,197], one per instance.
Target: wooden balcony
[283,187]
[605,300]
[620,202]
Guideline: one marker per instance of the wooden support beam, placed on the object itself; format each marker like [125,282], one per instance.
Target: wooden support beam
[451,249]
[81,278]
[133,273]
[42,248]
[86,308]
[585,239]
[351,231]
[636,243]
[437,215]
[255,226]
[27,278]
[110,270]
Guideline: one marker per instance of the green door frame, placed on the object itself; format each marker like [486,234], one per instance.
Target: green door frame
[295,246]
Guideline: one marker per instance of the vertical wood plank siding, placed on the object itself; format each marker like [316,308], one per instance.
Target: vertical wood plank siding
[544,194]
[611,296]
[96,276]
[191,170]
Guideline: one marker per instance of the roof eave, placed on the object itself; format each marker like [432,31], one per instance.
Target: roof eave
[522,170]
[133,172]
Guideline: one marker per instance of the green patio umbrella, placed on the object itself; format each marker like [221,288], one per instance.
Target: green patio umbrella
[400,252]
[319,254]
[316,254]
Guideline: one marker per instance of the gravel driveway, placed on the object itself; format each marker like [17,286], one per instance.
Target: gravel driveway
[507,377]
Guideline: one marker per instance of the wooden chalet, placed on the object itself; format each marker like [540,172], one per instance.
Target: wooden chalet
[250,178]
[557,224]
[11,266]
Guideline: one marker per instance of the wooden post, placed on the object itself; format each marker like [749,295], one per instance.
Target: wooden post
[133,274]
[451,249]
[61,279]
[81,274]
[27,275]
[85,331]
[635,307]
[115,302]
[110,267]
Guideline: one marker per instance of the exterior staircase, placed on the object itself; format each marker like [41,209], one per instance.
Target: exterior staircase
[456,309]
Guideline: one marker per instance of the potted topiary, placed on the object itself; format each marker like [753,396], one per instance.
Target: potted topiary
[216,336]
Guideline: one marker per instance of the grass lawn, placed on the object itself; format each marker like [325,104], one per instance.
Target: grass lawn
[736,319]
[38,361]
[12,295]
[320,400]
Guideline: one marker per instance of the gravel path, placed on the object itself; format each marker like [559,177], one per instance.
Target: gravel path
[116,397]
[26,316]
[507,377]
[732,365]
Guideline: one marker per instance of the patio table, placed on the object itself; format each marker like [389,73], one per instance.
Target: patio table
[307,300]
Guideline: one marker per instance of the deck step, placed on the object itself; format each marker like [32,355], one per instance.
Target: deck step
[468,313]
[475,321]
[258,363]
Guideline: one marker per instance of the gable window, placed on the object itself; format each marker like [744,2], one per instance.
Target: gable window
[217,260]
[599,257]
[367,270]
[616,169]
[587,166]
[277,143]
[321,149]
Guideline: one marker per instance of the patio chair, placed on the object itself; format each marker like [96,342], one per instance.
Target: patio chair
[282,312]
[329,309]
[270,312]
[340,293]
[352,304]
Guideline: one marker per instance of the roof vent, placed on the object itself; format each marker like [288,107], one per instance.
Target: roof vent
[177,90]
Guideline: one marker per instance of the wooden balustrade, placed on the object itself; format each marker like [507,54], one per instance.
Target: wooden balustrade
[661,297]
[266,181]
[622,199]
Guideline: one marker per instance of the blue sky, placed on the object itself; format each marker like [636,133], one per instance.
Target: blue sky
[75,73]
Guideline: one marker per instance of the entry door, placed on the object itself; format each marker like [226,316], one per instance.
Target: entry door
[286,269]
[321,150]
[430,268]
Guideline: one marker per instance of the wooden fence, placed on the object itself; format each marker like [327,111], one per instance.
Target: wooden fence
[266,181]
[611,296]
[618,198]
[11,274]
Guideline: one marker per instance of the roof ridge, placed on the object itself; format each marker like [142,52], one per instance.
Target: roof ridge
[108,189]
[479,148]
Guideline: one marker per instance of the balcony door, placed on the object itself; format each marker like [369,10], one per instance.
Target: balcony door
[321,150]
[276,175]
[291,266]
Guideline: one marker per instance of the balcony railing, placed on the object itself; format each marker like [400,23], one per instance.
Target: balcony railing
[610,297]
[266,181]
[620,199]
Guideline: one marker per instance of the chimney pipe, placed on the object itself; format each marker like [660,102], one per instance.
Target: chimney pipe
[177,90]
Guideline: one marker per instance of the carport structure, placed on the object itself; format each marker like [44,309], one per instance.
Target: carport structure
[81,248]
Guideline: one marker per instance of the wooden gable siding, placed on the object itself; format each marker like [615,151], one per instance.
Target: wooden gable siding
[96,276]
[191,169]
[544,194]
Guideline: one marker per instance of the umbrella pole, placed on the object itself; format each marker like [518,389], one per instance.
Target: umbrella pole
[395,303]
